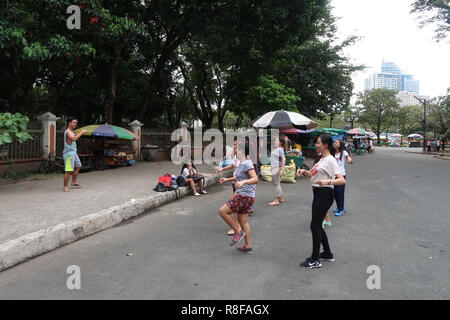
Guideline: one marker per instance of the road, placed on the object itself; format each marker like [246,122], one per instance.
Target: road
[398,220]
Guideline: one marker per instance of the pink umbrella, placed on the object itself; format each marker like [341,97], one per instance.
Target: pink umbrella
[289,131]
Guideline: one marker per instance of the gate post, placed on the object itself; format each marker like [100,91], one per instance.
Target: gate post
[136,128]
[49,136]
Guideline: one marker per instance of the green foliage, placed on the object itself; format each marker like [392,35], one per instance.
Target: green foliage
[409,119]
[434,12]
[270,95]
[439,114]
[13,127]
[162,62]
[379,108]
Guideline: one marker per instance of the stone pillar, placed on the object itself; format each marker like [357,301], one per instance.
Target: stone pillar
[49,136]
[136,128]
[184,130]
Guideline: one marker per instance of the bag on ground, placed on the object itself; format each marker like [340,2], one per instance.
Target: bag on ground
[266,173]
[289,173]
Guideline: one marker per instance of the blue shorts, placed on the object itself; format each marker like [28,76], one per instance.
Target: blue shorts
[72,162]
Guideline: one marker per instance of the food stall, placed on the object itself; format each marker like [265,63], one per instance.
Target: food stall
[111,146]
[289,123]
[415,140]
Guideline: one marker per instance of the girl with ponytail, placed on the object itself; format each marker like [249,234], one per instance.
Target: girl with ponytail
[324,176]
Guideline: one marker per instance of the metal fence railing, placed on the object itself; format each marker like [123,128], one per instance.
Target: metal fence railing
[31,149]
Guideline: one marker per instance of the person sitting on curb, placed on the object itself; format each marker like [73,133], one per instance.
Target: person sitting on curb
[191,178]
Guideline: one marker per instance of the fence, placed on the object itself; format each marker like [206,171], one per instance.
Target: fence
[33,149]
[83,144]
[29,150]
[161,139]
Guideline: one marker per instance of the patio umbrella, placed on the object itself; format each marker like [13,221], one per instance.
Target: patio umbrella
[358,132]
[289,131]
[338,131]
[283,120]
[415,136]
[108,131]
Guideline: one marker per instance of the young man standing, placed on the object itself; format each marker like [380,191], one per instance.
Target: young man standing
[71,160]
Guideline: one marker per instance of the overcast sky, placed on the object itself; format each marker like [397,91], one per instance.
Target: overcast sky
[390,32]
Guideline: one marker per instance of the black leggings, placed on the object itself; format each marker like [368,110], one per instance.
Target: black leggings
[323,200]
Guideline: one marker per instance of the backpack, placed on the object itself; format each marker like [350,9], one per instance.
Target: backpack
[174,183]
[166,180]
[181,182]
[160,187]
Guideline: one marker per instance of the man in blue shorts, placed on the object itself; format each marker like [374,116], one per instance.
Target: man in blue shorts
[72,162]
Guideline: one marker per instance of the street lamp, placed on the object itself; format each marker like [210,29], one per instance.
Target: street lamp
[424,102]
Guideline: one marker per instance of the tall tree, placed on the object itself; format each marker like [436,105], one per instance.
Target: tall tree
[378,109]
[434,12]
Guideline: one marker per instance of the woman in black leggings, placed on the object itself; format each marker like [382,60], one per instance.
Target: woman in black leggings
[323,182]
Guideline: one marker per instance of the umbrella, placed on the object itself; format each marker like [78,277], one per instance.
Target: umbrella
[290,131]
[283,120]
[338,131]
[397,135]
[415,136]
[358,132]
[108,131]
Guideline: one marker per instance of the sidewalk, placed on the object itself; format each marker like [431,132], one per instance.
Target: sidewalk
[37,216]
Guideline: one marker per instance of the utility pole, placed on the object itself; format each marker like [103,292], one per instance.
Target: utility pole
[424,102]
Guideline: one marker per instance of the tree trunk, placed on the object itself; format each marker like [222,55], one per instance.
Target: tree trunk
[112,87]
[172,42]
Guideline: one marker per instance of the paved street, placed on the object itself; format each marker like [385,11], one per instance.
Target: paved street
[398,219]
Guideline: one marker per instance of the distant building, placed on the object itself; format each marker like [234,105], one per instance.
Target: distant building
[392,77]
[407,99]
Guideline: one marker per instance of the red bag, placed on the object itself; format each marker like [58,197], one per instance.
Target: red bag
[166,180]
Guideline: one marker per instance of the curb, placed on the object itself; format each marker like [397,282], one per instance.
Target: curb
[442,158]
[37,243]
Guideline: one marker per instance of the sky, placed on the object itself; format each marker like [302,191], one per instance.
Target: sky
[391,33]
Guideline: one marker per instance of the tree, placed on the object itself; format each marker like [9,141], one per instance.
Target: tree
[410,119]
[439,114]
[350,115]
[270,95]
[434,12]
[13,127]
[27,50]
[378,109]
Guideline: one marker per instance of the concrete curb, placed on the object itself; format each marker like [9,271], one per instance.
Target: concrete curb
[34,244]
[442,158]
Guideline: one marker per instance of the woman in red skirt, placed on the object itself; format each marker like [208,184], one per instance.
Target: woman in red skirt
[245,179]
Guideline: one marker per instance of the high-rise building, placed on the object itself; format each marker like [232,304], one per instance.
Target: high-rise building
[407,99]
[392,77]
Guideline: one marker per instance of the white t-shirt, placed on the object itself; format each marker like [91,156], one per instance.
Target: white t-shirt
[327,168]
[341,163]
[185,173]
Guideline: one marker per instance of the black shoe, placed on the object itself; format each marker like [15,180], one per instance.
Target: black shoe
[326,257]
[311,264]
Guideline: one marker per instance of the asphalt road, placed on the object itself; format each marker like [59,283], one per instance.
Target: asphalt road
[398,219]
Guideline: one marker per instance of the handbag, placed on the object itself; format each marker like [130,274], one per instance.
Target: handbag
[166,180]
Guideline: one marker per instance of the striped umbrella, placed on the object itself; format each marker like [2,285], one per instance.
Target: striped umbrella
[283,120]
[108,131]
[358,132]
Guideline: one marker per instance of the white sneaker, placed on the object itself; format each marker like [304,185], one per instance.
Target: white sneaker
[196,194]
[204,192]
